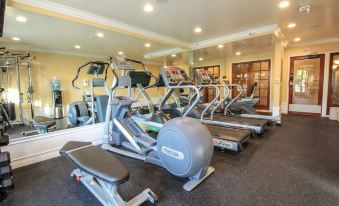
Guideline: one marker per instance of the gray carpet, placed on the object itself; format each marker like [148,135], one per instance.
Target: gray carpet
[295,164]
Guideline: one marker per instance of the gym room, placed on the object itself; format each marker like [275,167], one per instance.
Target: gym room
[169,102]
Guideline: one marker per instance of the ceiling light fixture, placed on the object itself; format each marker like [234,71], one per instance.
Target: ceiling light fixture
[201,59]
[220,46]
[77,46]
[336,62]
[100,35]
[297,39]
[197,30]
[173,55]
[284,4]
[121,53]
[335,66]
[147,45]
[21,19]
[148,8]
[16,39]
[238,53]
[291,25]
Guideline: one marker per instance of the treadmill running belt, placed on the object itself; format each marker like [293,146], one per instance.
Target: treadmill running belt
[242,120]
[236,135]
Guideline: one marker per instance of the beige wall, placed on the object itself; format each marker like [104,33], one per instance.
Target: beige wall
[47,66]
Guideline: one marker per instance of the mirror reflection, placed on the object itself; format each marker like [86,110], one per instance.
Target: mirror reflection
[56,77]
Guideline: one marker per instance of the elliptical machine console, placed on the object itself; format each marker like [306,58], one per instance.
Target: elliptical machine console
[93,108]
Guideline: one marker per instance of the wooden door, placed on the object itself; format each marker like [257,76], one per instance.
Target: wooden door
[306,84]
[333,83]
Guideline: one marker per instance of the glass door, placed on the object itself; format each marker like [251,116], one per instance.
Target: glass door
[333,84]
[306,84]
[247,73]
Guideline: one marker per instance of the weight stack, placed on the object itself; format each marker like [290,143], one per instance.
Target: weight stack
[6,178]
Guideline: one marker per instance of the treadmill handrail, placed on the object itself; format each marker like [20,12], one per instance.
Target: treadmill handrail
[234,99]
[217,96]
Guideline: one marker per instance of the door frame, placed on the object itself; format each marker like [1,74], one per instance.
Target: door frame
[321,82]
[329,93]
[251,77]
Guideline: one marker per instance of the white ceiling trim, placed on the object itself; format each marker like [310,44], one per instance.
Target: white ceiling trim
[113,24]
[87,55]
[163,53]
[280,35]
[251,33]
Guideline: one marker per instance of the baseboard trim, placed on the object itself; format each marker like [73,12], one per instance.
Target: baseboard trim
[29,150]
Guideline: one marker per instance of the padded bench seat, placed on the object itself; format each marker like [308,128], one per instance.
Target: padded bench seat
[97,162]
[45,122]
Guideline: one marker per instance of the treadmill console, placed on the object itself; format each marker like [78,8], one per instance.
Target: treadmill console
[203,76]
[173,76]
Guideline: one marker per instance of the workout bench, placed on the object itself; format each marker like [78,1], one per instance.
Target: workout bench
[101,173]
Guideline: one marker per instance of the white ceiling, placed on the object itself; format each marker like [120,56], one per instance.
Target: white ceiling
[178,18]
[174,20]
[260,44]
[57,35]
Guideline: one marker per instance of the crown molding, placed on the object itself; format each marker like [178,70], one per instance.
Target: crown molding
[61,11]
[280,35]
[251,33]
[48,51]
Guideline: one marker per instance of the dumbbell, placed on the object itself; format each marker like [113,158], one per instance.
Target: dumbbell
[6,184]
[5,159]
[5,172]
[4,140]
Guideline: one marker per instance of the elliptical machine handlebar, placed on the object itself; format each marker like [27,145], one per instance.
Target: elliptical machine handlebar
[106,65]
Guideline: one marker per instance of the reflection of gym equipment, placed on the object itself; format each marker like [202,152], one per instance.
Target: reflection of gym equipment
[183,146]
[93,108]
[102,180]
[57,99]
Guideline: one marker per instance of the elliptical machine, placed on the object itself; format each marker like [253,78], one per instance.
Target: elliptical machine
[185,151]
[93,108]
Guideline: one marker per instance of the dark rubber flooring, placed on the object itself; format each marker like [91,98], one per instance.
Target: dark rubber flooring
[295,164]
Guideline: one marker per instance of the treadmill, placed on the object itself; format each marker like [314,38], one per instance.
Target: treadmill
[257,125]
[224,137]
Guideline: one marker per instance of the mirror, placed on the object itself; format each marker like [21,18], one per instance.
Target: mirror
[40,57]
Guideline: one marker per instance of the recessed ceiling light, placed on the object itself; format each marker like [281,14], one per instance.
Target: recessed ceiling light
[197,30]
[100,35]
[173,55]
[121,53]
[336,62]
[335,66]
[238,53]
[148,8]
[291,25]
[284,4]
[16,39]
[77,46]
[220,46]
[147,45]
[201,59]
[297,39]
[21,19]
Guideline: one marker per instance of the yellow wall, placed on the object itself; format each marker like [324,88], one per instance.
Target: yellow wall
[47,66]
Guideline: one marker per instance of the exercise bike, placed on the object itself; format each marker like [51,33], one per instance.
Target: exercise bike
[185,151]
